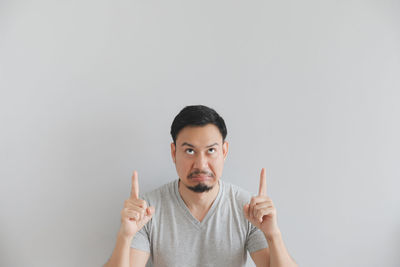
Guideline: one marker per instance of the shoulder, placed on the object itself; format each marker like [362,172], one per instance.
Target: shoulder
[159,194]
[236,193]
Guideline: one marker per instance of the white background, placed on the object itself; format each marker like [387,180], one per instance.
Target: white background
[308,89]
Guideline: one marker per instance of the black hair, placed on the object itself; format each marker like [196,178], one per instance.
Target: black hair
[197,115]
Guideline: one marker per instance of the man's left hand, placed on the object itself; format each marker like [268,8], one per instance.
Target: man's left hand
[261,211]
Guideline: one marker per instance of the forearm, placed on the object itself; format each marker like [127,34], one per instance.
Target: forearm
[120,255]
[279,256]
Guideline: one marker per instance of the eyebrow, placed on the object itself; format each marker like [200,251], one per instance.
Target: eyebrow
[187,144]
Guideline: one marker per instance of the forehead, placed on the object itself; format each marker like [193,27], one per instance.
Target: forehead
[199,135]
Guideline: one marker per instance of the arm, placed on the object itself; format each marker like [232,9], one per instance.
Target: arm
[134,216]
[279,256]
[261,213]
[276,255]
[125,256]
[120,256]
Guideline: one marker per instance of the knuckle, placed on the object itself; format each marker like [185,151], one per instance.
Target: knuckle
[136,203]
[141,203]
[128,203]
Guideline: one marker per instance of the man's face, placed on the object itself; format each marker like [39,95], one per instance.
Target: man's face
[199,156]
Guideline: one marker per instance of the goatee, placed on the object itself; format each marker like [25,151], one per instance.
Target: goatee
[200,188]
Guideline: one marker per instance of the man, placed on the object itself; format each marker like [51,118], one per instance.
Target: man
[199,219]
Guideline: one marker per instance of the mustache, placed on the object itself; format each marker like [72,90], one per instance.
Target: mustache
[197,172]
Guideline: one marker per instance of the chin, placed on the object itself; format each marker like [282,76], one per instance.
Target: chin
[200,188]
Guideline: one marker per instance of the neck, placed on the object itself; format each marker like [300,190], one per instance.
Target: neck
[198,201]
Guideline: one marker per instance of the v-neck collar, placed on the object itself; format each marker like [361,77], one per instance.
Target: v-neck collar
[186,210]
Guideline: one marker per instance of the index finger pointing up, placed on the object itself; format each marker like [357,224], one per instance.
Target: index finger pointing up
[263,183]
[135,186]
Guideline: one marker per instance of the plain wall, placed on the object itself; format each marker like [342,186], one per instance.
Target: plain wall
[308,89]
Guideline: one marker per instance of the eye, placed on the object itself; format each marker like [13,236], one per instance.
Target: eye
[211,150]
[189,151]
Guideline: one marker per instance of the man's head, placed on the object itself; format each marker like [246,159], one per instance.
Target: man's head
[199,147]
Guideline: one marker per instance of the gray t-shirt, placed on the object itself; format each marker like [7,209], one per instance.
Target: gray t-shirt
[175,238]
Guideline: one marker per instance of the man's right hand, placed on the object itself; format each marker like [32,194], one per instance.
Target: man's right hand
[135,213]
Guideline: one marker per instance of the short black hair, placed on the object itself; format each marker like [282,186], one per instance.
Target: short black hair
[197,115]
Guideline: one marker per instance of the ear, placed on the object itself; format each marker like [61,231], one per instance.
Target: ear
[225,147]
[173,152]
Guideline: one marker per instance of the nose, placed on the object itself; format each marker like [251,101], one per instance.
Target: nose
[201,162]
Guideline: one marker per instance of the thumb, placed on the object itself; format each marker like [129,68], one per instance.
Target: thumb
[246,211]
[150,210]
[149,214]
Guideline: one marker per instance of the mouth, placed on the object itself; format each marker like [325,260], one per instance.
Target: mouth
[201,178]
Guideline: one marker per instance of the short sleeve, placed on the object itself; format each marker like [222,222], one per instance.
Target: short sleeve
[255,239]
[141,240]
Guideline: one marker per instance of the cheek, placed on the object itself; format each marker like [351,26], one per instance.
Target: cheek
[217,163]
[182,163]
